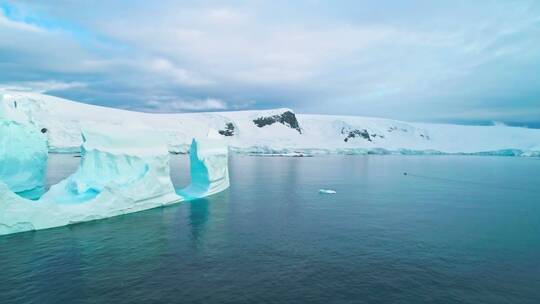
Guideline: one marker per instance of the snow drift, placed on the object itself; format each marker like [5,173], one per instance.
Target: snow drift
[121,171]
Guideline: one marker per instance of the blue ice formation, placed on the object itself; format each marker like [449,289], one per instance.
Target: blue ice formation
[208,168]
[23,158]
[120,172]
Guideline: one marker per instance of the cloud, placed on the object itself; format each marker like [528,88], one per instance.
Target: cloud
[443,61]
[224,16]
[208,104]
[167,69]
[5,22]
[42,86]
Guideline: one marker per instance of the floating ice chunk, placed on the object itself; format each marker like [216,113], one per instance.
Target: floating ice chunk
[327,191]
[23,158]
[119,173]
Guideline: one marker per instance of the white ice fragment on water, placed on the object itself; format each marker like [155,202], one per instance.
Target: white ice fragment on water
[327,191]
[121,172]
[23,157]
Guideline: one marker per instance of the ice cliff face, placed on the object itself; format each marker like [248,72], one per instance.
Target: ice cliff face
[23,157]
[120,172]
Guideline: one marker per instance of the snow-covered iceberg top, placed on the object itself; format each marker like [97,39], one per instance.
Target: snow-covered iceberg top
[140,142]
[121,171]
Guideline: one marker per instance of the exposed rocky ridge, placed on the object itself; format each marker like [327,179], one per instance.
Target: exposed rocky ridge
[286,118]
[356,133]
[363,133]
[228,131]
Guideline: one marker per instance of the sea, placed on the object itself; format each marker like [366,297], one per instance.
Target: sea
[399,229]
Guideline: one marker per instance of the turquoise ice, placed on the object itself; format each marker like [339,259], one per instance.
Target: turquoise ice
[23,158]
[208,168]
[121,171]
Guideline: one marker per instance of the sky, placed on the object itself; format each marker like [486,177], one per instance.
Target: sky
[472,62]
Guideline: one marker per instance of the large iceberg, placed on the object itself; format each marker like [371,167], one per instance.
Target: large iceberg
[23,158]
[118,174]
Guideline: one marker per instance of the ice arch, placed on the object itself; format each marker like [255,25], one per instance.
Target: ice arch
[208,168]
[120,172]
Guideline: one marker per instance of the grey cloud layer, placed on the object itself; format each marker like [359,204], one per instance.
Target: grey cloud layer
[456,60]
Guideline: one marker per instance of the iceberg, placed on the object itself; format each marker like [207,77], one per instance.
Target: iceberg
[23,158]
[120,173]
[327,191]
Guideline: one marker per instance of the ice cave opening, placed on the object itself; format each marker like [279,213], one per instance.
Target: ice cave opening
[179,167]
[209,169]
[60,166]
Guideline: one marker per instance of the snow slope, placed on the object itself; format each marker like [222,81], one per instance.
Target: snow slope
[277,131]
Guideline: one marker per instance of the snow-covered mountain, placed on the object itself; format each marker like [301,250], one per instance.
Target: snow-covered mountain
[278,131]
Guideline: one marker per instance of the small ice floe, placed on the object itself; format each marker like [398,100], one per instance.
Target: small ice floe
[327,191]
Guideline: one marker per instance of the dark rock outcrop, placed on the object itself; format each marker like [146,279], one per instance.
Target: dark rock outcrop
[286,118]
[228,131]
[356,133]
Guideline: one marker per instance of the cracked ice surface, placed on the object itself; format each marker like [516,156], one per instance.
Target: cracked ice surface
[120,172]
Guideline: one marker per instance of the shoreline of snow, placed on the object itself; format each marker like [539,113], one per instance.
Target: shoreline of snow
[362,152]
[278,132]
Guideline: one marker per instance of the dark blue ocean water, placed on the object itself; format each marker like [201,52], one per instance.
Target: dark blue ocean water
[454,230]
